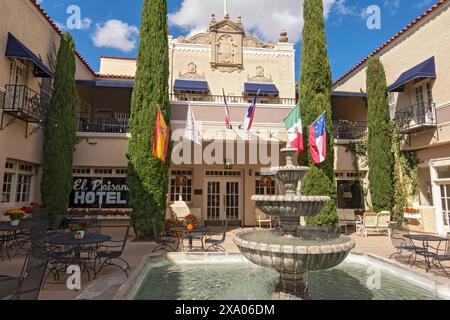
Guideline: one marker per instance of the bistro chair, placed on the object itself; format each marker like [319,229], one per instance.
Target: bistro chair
[212,244]
[400,243]
[112,252]
[164,243]
[439,258]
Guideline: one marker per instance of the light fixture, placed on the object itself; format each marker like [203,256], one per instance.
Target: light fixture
[228,164]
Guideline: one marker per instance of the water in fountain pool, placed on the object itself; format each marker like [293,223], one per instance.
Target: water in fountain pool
[243,281]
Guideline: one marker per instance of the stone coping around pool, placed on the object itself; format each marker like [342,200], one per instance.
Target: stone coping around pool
[439,288]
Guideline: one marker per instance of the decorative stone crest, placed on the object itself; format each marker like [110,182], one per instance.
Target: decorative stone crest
[226,45]
[201,38]
[260,77]
[192,73]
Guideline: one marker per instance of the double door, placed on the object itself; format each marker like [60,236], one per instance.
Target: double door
[223,199]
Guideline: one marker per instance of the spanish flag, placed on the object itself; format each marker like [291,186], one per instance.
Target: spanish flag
[161,138]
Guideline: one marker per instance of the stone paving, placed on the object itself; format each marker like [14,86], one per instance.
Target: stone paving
[110,279]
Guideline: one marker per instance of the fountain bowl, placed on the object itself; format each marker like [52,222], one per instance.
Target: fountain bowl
[290,255]
[291,205]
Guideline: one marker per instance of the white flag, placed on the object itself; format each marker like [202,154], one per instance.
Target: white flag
[191,132]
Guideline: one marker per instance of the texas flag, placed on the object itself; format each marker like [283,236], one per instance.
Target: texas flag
[318,140]
[248,121]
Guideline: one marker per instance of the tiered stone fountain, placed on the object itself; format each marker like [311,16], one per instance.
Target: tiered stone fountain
[294,250]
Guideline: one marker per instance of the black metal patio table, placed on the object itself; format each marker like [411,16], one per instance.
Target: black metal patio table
[425,249]
[190,235]
[10,234]
[76,246]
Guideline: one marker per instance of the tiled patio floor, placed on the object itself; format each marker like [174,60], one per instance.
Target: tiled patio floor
[107,284]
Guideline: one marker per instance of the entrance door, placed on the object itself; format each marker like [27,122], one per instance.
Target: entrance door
[18,79]
[223,199]
[445,209]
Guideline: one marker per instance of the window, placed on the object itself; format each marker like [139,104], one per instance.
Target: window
[265,186]
[23,188]
[103,171]
[17,182]
[7,187]
[181,185]
[350,195]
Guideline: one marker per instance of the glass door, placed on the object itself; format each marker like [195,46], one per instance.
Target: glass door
[223,200]
[445,203]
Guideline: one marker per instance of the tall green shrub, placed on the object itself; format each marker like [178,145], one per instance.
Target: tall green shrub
[315,98]
[147,176]
[381,159]
[59,132]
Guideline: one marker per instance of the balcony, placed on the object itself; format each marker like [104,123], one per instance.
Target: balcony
[103,122]
[231,99]
[347,130]
[416,118]
[23,103]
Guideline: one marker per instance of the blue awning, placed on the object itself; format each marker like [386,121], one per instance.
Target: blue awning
[16,49]
[348,94]
[251,88]
[191,86]
[106,83]
[426,69]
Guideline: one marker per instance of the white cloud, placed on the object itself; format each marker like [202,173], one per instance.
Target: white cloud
[116,34]
[265,19]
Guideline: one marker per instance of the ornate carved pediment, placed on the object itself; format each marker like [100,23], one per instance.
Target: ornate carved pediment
[253,42]
[259,77]
[192,73]
[201,38]
[226,45]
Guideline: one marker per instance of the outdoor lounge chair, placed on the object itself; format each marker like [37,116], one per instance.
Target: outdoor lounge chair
[168,244]
[217,244]
[373,222]
[112,251]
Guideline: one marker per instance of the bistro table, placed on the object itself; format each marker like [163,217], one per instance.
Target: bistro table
[424,250]
[10,233]
[190,235]
[76,246]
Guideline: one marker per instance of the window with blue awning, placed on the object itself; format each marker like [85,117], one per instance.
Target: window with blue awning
[266,89]
[16,49]
[191,86]
[424,70]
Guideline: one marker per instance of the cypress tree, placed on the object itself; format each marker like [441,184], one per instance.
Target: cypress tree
[60,132]
[147,176]
[315,98]
[381,159]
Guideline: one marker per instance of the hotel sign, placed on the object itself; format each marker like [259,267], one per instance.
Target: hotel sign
[99,193]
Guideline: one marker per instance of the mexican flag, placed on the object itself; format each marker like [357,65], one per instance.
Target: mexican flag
[293,123]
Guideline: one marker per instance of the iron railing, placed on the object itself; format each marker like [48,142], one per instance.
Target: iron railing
[185,97]
[416,117]
[25,102]
[103,122]
[2,96]
[348,130]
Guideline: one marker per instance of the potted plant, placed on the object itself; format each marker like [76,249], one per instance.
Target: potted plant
[191,222]
[79,229]
[15,216]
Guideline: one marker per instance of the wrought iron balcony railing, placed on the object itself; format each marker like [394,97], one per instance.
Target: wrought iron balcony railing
[183,97]
[103,122]
[416,118]
[347,130]
[25,103]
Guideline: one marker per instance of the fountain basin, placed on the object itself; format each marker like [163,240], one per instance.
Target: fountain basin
[291,205]
[291,255]
[290,175]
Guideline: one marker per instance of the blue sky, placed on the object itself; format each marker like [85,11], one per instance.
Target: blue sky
[111,27]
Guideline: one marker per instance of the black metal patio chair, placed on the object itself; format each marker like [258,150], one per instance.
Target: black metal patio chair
[212,244]
[401,244]
[439,258]
[112,252]
[164,243]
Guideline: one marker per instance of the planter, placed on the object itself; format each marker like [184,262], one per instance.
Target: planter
[79,235]
[15,223]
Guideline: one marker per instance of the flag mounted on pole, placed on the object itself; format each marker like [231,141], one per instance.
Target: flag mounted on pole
[318,140]
[161,137]
[191,132]
[227,112]
[293,123]
[248,121]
